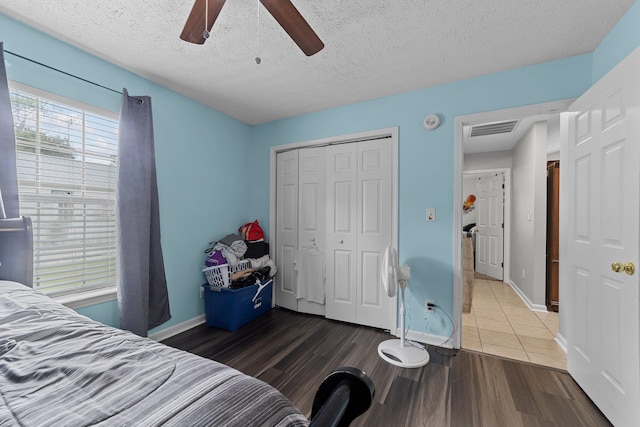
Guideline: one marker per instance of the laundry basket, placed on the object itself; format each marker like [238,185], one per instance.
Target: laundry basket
[219,276]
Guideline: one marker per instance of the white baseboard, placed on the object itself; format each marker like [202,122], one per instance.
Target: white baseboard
[176,329]
[562,341]
[430,339]
[525,299]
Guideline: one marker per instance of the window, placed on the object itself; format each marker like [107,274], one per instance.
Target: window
[67,165]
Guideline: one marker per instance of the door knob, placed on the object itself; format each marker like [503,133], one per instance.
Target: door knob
[341,241]
[619,267]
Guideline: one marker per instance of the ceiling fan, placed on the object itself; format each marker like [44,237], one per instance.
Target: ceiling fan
[205,12]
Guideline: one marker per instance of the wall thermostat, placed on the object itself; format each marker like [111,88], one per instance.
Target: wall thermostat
[431,122]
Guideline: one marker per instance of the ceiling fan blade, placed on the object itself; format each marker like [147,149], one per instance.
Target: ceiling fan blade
[193,29]
[295,25]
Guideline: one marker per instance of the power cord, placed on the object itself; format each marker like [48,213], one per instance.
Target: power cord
[453,328]
[406,328]
[406,331]
[416,342]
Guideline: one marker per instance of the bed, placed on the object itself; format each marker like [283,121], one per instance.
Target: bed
[60,368]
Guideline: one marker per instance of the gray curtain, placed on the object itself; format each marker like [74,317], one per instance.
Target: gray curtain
[9,207]
[142,287]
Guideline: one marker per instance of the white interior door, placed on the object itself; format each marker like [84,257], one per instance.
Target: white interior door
[490,235]
[374,307]
[286,228]
[312,208]
[602,227]
[341,256]
[359,228]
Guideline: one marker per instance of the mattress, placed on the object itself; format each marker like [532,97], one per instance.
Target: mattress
[58,368]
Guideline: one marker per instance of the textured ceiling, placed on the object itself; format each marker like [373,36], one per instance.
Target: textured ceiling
[373,48]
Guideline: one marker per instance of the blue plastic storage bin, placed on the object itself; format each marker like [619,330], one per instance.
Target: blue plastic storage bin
[232,308]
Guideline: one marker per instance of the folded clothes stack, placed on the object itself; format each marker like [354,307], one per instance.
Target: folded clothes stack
[257,249]
[241,279]
[249,245]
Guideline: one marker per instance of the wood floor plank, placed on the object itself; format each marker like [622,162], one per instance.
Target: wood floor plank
[464,387]
[294,352]
[379,415]
[491,392]
[429,403]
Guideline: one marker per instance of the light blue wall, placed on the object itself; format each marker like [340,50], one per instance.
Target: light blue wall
[425,158]
[197,148]
[621,41]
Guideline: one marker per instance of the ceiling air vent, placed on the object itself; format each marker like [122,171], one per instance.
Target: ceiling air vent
[493,128]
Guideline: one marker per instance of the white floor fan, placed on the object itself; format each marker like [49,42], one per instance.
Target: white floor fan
[397,351]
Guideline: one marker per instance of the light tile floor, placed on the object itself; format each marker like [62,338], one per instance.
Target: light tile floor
[500,323]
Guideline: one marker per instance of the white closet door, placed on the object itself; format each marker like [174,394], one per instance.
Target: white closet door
[374,232]
[311,213]
[359,228]
[286,228]
[342,211]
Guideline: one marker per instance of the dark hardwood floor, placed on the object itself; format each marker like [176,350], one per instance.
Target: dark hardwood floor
[294,352]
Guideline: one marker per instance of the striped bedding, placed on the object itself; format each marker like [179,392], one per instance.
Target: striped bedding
[58,368]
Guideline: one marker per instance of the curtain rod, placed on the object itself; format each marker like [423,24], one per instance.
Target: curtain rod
[63,72]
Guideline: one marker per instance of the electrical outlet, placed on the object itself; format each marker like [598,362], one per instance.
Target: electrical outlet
[201,292]
[523,273]
[426,305]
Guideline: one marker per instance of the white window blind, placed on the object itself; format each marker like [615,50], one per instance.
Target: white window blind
[67,163]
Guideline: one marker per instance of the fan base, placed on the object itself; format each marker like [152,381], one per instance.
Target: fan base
[408,356]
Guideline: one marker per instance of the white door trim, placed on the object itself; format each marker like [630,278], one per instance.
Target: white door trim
[458,168]
[506,254]
[340,139]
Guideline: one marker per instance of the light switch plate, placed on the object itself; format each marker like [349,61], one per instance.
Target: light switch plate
[431,214]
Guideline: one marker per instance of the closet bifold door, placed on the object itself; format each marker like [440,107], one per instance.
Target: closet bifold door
[359,228]
[374,232]
[286,228]
[342,182]
[311,211]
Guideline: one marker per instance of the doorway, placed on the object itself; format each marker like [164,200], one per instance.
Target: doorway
[490,226]
[500,299]
[486,217]
[553,236]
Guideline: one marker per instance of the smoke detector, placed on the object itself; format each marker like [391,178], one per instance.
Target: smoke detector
[431,122]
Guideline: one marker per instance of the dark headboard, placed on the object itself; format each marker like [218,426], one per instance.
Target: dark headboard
[16,250]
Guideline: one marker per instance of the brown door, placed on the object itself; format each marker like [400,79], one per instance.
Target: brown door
[553,234]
